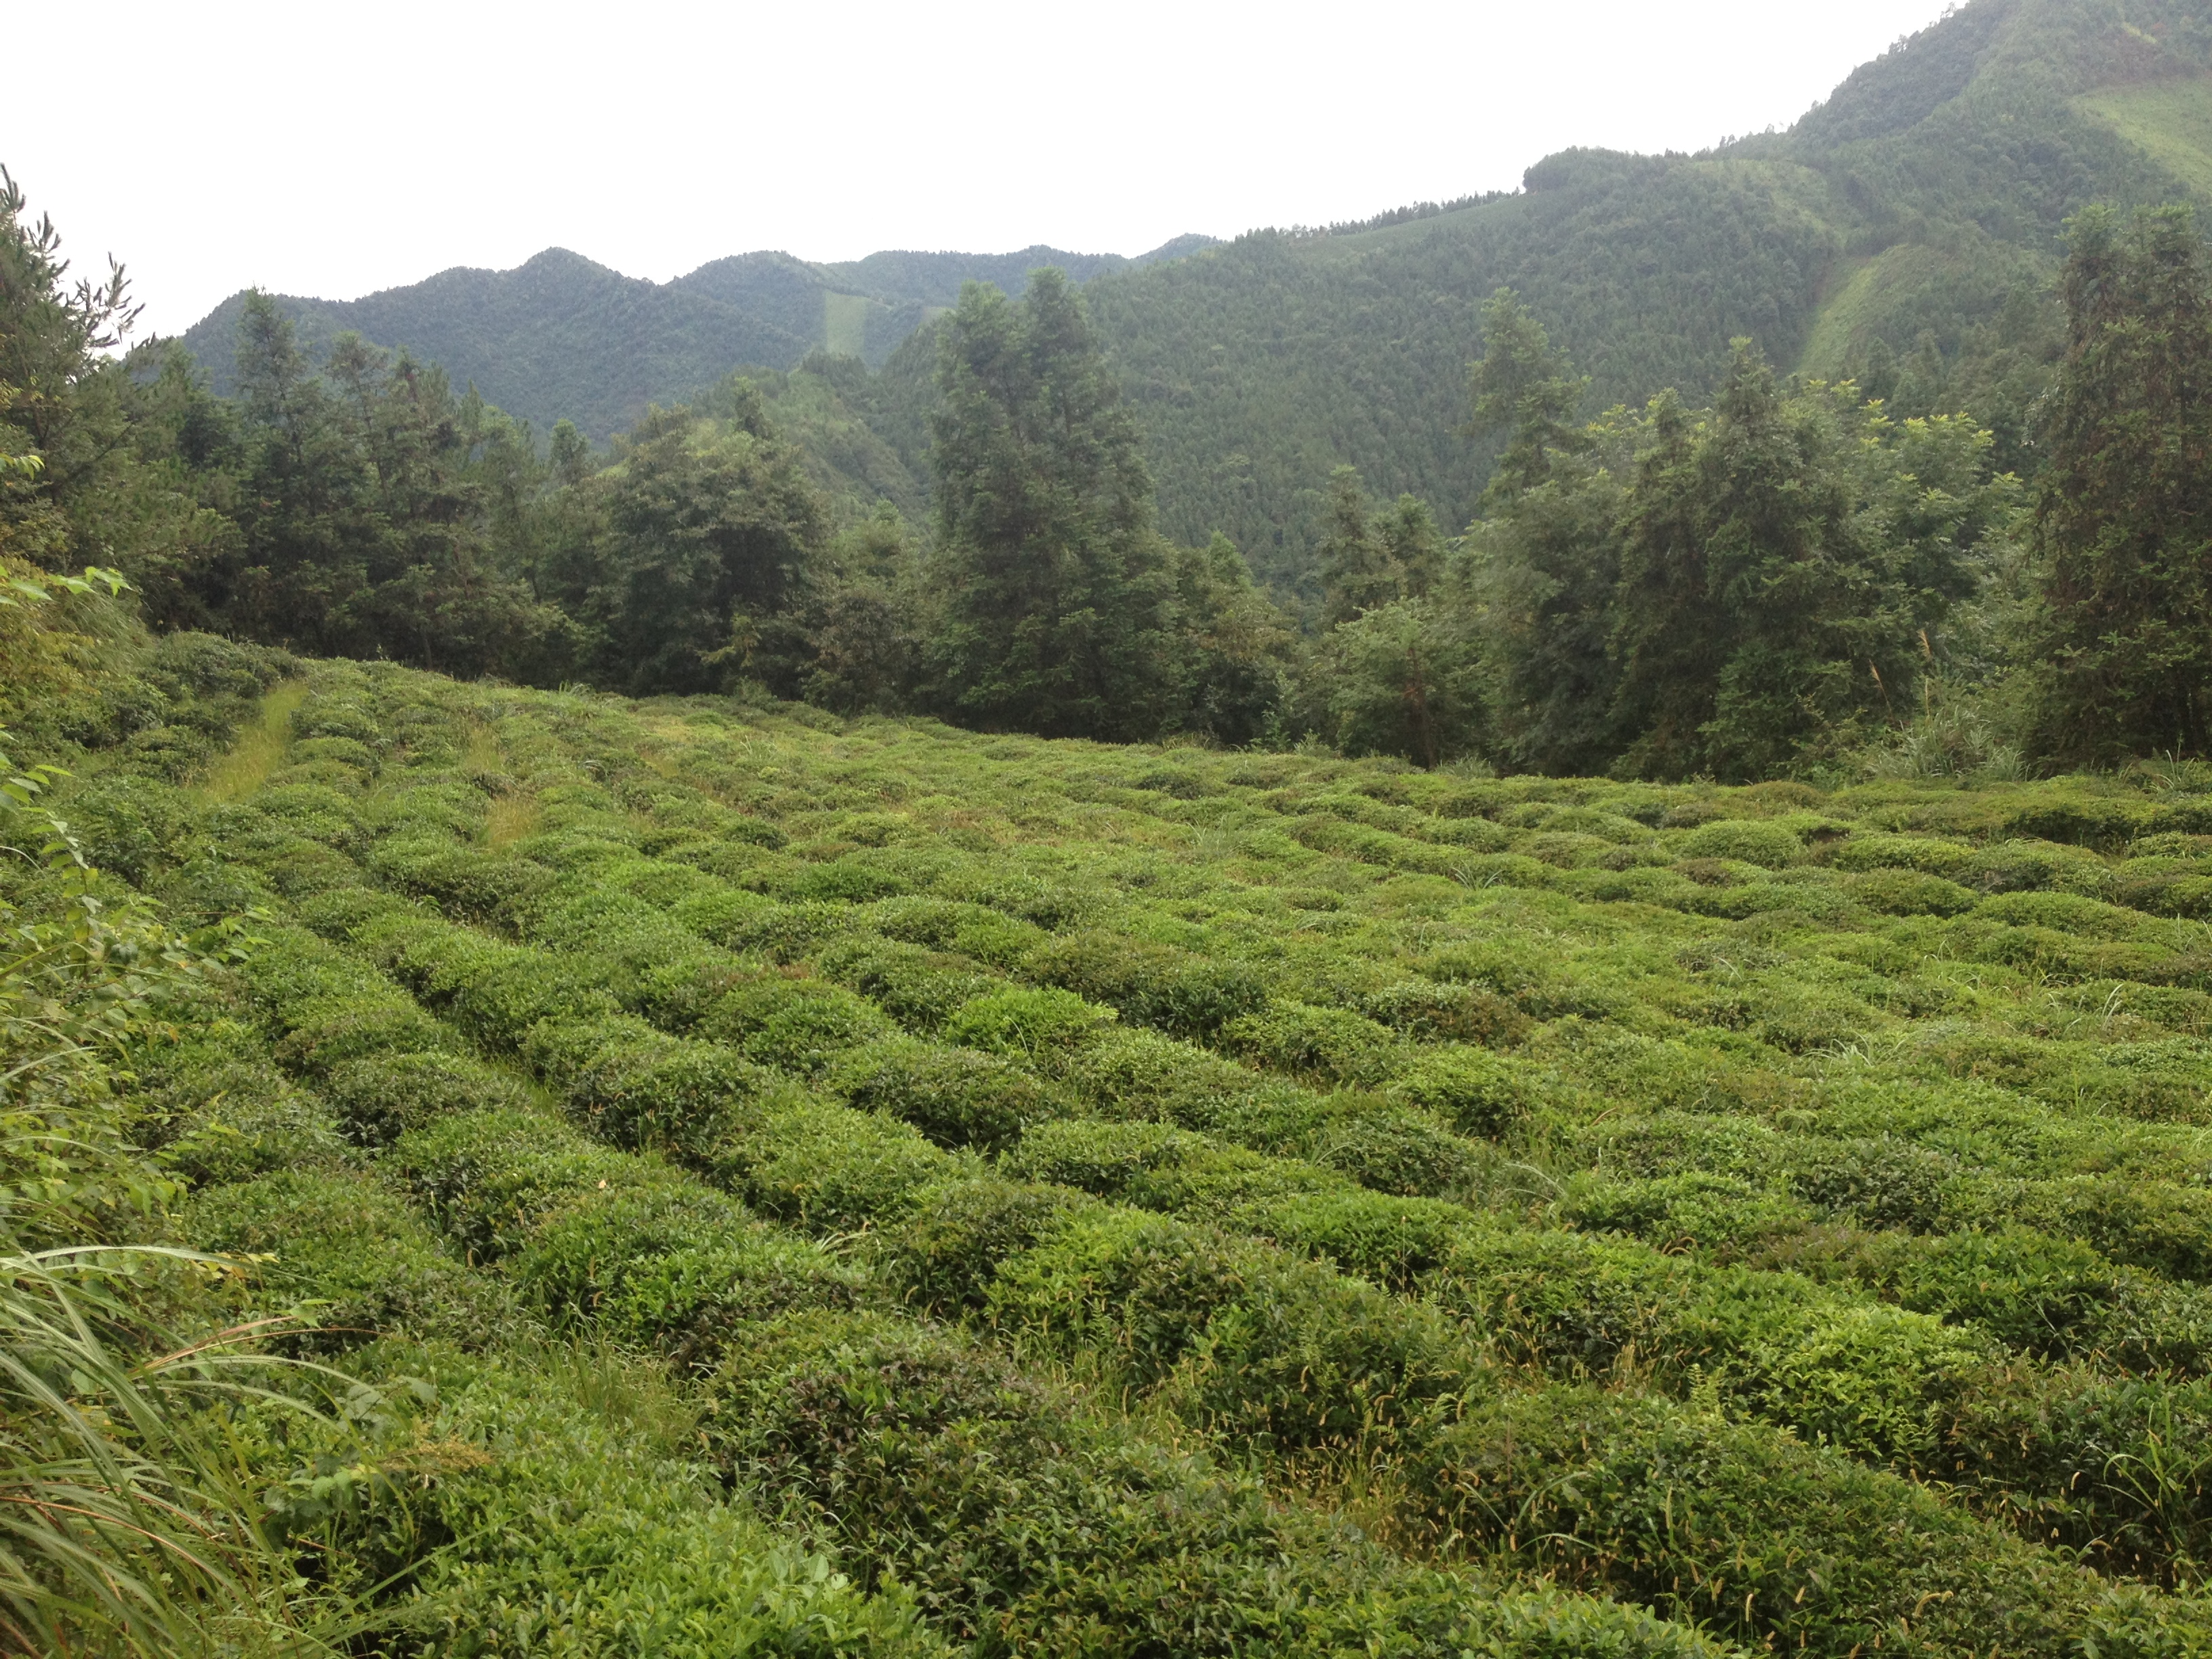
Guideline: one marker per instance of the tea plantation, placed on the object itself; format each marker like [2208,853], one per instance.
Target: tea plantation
[793,1186]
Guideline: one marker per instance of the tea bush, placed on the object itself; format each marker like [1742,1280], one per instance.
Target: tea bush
[1785,1209]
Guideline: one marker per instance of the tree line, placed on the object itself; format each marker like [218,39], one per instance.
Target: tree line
[1792,578]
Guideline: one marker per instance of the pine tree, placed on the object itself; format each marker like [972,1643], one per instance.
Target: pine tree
[1355,566]
[1056,591]
[1785,561]
[2124,515]
[1524,387]
[1544,561]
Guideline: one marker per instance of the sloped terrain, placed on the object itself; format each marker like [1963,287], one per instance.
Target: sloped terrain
[1131,1200]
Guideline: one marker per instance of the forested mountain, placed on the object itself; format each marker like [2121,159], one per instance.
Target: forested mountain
[1052,517]
[1906,231]
[560,337]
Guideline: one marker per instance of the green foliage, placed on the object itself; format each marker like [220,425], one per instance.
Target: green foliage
[1639,1481]
[955,1096]
[1148,983]
[1037,1025]
[1823,584]
[349,1250]
[2119,513]
[712,532]
[1121,1546]
[1055,591]
[551,1505]
[365,511]
[1691,1230]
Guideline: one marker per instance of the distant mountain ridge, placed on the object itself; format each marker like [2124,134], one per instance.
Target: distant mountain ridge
[1905,232]
[561,335]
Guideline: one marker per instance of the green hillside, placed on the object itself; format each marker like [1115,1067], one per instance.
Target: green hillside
[1906,231]
[2170,119]
[778,1185]
[1911,209]
[560,337]
[518,1137]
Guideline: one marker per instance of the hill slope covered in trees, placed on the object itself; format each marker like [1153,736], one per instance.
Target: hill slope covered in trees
[561,337]
[1906,230]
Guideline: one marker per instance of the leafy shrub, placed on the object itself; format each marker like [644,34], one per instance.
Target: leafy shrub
[1102,1158]
[675,1265]
[133,827]
[337,914]
[327,1032]
[314,812]
[486,1178]
[2158,1225]
[641,1089]
[1332,1044]
[497,991]
[1269,1348]
[344,1241]
[1021,1518]
[1948,858]
[1717,1213]
[829,1168]
[945,1251]
[1764,842]
[1393,1241]
[2068,912]
[2035,1293]
[1042,1026]
[1391,1151]
[797,1024]
[1155,1167]
[721,915]
[956,1096]
[2015,867]
[785,932]
[1910,893]
[1601,1491]
[920,988]
[381,1098]
[1438,1013]
[1148,984]
[1885,1182]
[969,930]
[230,1118]
[465,881]
[1477,1093]
[1138,1287]
[841,881]
[530,1522]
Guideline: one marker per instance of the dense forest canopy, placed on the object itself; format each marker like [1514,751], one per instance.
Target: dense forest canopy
[1907,232]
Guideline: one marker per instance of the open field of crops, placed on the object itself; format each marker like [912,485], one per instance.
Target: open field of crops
[800,1186]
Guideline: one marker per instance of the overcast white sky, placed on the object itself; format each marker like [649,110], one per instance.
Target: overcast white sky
[335,148]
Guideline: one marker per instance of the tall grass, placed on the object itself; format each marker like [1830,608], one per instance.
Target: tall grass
[127,1524]
[259,748]
[124,1527]
[508,819]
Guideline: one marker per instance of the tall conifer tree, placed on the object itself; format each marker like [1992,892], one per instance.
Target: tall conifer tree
[2124,516]
[1056,589]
